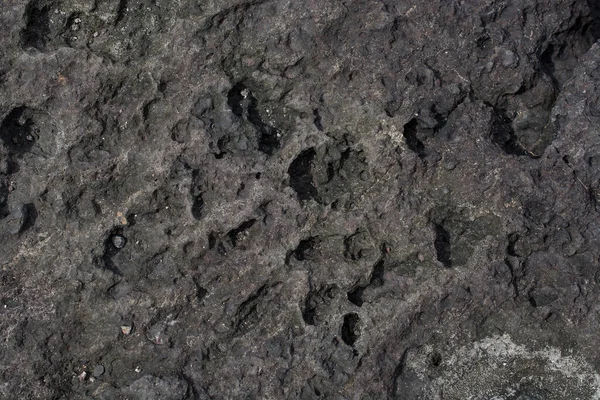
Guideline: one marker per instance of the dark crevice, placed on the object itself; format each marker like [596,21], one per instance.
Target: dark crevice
[301,179]
[436,359]
[345,157]
[513,278]
[111,250]
[306,248]
[197,206]
[17,131]
[314,300]
[3,198]
[37,25]
[512,241]
[244,105]
[355,296]
[317,119]
[221,148]
[192,390]
[594,27]
[236,98]
[442,246]
[309,312]
[121,11]
[30,215]
[503,134]
[410,135]
[351,329]
[558,58]
[398,372]
[212,240]
[196,194]
[377,274]
[247,313]
[547,62]
[201,292]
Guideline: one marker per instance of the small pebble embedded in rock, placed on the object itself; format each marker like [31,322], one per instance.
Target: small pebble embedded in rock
[98,371]
[118,241]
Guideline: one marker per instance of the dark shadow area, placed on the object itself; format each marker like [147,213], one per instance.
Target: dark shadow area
[594,28]
[503,134]
[3,199]
[306,248]
[355,296]
[30,215]
[247,316]
[350,329]
[114,243]
[17,131]
[442,246]
[244,105]
[196,195]
[301,179]
[314,299]
[410,134]
[37,25]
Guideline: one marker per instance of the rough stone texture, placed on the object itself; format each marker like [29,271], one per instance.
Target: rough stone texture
[299,199]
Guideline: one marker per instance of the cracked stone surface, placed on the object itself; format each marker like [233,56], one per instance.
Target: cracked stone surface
[277,199]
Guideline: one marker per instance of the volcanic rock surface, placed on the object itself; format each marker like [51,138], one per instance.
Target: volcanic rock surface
[300,199]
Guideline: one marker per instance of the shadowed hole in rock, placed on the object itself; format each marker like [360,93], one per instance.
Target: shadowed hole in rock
[357,246]
[197,206]
[196,196]
[436,359]
[442,246]
[221,143]
[309,313]
[37,25]
[212,240]
[513,238]
[301,179]
[412,141]
[201,292]
[355,296]
[316,298]
[244,105]
[113,244]
[541,297]
[594,28]
[351,329]
[306,248]
[504,135]
[29,217]
[235,98]
[18,132]
[562,50]
[317,119]
[377,274]
[3,200]
[547,62]
[247,319]
[121,11]
[247,316]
